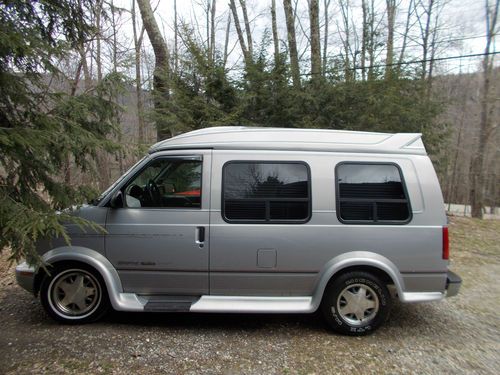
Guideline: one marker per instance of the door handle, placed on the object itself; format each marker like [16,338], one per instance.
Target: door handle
[200,236]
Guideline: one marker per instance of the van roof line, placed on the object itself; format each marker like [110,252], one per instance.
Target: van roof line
[292,139]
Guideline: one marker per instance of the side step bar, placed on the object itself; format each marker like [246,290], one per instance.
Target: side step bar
[217,304]
[169,303]
[223,304]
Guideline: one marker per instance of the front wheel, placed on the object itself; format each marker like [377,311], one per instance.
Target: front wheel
[356,303]
[74,294]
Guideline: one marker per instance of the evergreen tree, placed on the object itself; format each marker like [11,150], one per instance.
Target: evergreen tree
[42,129]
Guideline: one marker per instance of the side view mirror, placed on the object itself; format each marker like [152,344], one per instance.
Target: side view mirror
[117,200]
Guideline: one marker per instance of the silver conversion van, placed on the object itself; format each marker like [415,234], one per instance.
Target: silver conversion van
[258,220]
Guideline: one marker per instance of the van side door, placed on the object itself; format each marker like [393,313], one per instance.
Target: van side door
[261,236]
[158,241]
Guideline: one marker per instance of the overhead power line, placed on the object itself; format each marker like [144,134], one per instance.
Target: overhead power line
[416,61]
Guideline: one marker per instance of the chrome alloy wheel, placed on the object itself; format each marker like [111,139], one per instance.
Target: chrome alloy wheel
[74,294]
[357,304]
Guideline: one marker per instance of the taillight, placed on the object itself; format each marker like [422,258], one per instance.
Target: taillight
[446,244]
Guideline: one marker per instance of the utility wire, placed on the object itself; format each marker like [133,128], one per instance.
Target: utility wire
[410,47]
[415,62]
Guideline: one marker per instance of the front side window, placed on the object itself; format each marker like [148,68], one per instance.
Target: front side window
[166,183]
[266,192]
[371,193]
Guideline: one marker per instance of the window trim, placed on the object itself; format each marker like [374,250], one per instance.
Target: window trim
[386,200]
[149,162]
[265,221]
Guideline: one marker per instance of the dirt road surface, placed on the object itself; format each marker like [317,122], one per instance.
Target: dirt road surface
[458,335]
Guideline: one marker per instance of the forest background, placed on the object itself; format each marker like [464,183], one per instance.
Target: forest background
[87,85]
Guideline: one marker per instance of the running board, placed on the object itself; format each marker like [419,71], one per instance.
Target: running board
[215,304]
[169,303]
[232,304]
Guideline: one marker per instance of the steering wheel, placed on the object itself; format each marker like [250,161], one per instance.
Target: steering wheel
[153,193]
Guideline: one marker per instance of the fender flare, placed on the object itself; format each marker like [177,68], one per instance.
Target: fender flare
[355,258]
[119,300]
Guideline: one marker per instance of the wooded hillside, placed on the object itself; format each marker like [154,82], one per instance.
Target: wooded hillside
[87,85]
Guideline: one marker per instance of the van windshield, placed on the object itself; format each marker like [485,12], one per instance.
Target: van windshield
[97,200]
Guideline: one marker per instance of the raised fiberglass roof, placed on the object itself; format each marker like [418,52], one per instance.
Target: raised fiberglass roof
[254,138]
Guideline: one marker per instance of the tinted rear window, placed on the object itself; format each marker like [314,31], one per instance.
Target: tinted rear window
[266,191]
[371,193]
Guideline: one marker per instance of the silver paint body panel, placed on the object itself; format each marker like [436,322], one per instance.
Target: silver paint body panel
[265,267]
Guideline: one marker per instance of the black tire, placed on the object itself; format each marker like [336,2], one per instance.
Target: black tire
[370,291]
[89,298]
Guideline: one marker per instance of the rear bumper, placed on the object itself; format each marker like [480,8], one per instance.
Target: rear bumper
[453,283]
[25,276]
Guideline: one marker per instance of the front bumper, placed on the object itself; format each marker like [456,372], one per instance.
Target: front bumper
[453,283]
[25,276]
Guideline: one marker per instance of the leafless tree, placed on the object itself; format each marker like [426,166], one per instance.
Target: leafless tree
[247,27]
[406,31]
[161,70]
[292,43]
[326,6]
[478,167]
[274,26]
[212,31]
[176,39]
[226,40]
[138,37]
[247,56]
[345,8]
[391,19]
[315,41]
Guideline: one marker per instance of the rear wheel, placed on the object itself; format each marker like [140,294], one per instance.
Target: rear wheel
[356,303]
[74,294]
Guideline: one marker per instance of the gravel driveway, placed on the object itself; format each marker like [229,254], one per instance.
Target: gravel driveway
[458,335]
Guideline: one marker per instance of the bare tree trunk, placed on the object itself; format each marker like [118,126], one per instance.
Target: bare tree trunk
[102,156]
[247,27]
[292,43]
[98,37]
[315,43]
[371,45]
[161,72]
[176,39]
[405,37]
[85,67]
[478,172]
[241,39]
[432,47]
[425,30]
[344,9]
[391,18]
[74,86]
[115,39]
[364,39]
[212,30]
[325,36]
[207,15]
[276,40]
[453,180]
[226,41]
[138,75]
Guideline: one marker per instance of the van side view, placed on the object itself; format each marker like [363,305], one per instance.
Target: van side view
[258,220]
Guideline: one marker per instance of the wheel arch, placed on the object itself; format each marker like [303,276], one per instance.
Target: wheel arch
[89,257]
[357,261]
